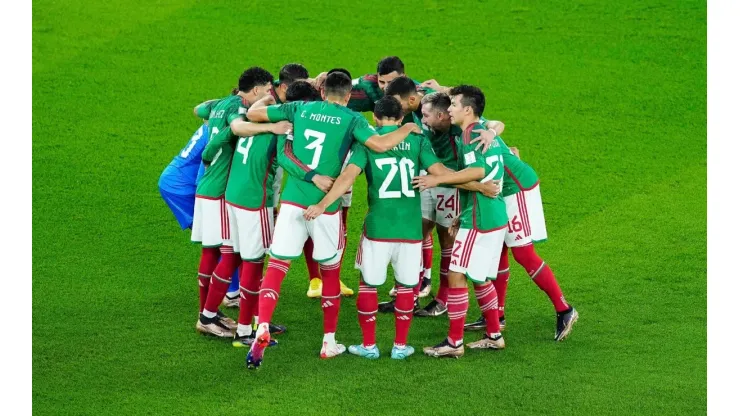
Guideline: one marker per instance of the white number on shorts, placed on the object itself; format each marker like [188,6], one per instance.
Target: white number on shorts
[490,160]
[316,145]
[244,150]
[407,172]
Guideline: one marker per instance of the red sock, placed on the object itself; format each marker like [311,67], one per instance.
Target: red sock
[541,275]
[427,250]
[502,280]
[208,262]
[221,278]
[416,288]
[313,267]
[367,309]
[444,266]
[404,314]
[249,288]
[330,296]
[486,296]
[270,288]
[457,309]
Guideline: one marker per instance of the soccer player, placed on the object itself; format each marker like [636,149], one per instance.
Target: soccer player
[322,135]
[250,199]
[521,193]
[392,229]
[439,205]
[210,222]
[479,230]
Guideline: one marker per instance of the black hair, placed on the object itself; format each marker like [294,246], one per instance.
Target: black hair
[471,96]
[390,64]
[388,107]
[342,70]
[402,86]
[337,84]
[301,91]
[290,73]
[253,77]
[438,100]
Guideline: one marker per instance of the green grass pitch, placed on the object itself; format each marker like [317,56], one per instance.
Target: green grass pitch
[607,100]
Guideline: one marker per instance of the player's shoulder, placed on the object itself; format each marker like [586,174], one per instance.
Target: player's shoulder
[469,134]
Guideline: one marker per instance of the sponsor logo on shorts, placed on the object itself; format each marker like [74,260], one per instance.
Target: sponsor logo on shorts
[449,216]
[518,237]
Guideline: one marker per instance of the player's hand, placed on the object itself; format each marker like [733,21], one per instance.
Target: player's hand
[318,82]
[323,182]
[413,128]
[425,182]
[491,188]
[485,138]
[515,151]
[312,212]
[431,83]
[282,127]
[452,230]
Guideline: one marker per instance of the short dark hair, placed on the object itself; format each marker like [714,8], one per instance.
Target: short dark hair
[301,91]
[438,100]
[254,76]
[402,86]
[471,96]
[388,107]
[290,73]
[342,70]
[390,64]
[337,84]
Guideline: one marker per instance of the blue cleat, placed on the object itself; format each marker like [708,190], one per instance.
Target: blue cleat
[369,353]
[256,352]
[401,353]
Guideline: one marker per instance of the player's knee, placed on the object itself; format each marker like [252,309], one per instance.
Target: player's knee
[456,280]
[526,256]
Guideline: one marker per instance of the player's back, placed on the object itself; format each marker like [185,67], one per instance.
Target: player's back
[479,211]
[252,171]
[519,174]
[181,173]
[213,183]
[394,205]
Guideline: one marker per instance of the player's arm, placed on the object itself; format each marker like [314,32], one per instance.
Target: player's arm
[243,128]
[466,175]
[288,161]
[489,189]
[383,143]
[356,162]
[258,111]
[203,110]
[214,145]
[277,183]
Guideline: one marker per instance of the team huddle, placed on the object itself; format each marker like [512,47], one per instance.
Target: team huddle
[431,161]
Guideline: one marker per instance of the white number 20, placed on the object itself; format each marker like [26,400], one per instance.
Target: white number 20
[407,172]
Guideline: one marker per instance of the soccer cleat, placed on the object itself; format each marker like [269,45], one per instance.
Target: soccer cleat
[481,324]
[565,323]
[257,351]
[387,307]
[231,302]
[329,350]
[226,320]
[314,288]
[213,326]
[434,308]
[426,287]
[393,291]
[369,353]
[445,349]
[345,290]
[401,353]
[247,340]
[495,343]
[276,329]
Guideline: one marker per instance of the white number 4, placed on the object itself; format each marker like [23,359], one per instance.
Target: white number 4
[244,150]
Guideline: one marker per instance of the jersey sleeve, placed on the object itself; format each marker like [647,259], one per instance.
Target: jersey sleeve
[203,110]
[362,130]
[288,161]
[215,141]
[360,100]
[427,157]
[472,158]
[282,112]
[235,111]
[358,156]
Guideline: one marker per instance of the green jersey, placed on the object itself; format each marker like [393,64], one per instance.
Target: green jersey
[203,110]
[394,205]
[478,211]
[366,92]
[252,172]
[219,149]
[323,133]
[519,175]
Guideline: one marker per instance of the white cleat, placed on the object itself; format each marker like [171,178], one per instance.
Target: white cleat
[332,349]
